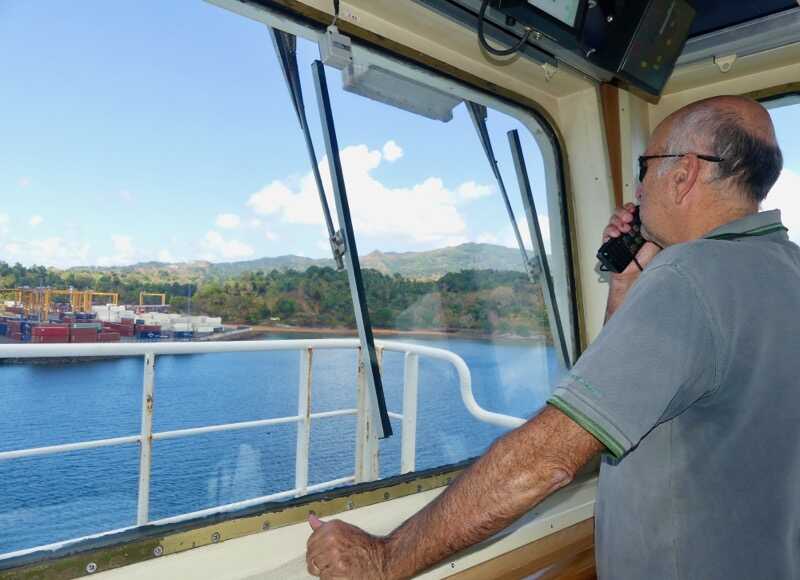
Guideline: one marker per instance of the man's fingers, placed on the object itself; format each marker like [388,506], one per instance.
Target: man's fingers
[619,223]
[610,232]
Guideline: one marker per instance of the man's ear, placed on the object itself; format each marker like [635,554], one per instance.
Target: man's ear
[684,177]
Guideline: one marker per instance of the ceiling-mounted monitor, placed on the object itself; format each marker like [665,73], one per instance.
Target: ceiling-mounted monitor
[567,11]
[637,41]
[542,14]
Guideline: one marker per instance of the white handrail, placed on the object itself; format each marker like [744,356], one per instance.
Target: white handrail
[366,444]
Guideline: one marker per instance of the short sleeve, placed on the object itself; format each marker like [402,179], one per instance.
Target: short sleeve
[654,358]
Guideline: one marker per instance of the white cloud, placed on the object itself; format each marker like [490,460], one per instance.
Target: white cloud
[785,196]
[488,238]
[165,255]
[424,212]
[216,247]
[507,238]
[24,181]
[126,195]
[124,252]
[392,151]
[470,190]
[35,220]
[254,223]
[271,236]
[53,251]
[228,221]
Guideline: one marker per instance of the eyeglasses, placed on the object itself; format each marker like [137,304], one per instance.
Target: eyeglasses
[643,161]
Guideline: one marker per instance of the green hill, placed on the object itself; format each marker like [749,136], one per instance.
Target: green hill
[430,265]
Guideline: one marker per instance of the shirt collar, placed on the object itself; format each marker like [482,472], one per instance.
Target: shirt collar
[756,224]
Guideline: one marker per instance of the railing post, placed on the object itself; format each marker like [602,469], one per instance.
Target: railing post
[408,451]
[304,425]
[367,466]
[146,439]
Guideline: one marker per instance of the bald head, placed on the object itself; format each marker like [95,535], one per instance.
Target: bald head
[737,129]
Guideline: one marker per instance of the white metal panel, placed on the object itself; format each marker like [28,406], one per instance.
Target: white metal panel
[580,121]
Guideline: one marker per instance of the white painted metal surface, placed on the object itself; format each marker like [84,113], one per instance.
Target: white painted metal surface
[146,440]
[304,426]
[408,444]
[367,444]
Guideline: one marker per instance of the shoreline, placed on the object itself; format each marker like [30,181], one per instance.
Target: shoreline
[260,329]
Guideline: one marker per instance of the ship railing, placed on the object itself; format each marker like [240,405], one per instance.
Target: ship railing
[366,459]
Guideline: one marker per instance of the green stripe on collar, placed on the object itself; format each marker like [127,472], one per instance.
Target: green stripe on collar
[760,231]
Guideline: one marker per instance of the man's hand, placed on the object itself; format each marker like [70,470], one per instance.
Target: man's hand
[620,224]
[339,550]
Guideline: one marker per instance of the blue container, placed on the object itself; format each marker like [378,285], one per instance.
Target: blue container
[150,335]
[183,334]
[3,329]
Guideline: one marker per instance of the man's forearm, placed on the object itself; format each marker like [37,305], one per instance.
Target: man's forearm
[516,473]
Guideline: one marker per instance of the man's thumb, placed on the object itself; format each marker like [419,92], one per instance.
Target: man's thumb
[314,522]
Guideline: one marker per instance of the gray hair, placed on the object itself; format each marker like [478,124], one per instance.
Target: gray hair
[750,163]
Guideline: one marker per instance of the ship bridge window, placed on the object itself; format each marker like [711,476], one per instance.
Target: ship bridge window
[785,113]
[162,208]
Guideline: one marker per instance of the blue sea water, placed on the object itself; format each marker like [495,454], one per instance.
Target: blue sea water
[53,498]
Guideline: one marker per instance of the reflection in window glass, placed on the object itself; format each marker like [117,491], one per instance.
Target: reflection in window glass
[442,267]
[169,166]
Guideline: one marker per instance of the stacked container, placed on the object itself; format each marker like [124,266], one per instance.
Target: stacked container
[50,333]
[83,334]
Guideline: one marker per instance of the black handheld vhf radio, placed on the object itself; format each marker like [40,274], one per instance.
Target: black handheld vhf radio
[617,253]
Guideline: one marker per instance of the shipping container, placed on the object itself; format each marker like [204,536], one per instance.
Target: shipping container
[94,325]
[183,335]
[108,337]
[148,335]
[82,338]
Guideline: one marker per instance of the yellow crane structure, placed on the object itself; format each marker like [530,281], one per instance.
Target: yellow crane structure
[6,293]
[75,299]
[89,296]
[158,294]
[41,300]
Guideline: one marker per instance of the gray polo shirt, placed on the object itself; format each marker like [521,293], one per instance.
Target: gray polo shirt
[692,386]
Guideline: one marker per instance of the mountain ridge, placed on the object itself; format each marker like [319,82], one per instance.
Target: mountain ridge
[424,265]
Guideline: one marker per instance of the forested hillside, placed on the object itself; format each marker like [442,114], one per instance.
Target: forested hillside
[482,301]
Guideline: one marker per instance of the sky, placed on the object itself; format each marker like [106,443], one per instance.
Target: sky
[145,130]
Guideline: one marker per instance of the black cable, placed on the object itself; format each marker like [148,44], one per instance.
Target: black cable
[482,37]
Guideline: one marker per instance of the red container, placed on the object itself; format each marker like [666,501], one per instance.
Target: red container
[50,329]
[50,339]
[108,337]
[90,334]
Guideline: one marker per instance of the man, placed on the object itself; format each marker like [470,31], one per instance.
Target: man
[690,388]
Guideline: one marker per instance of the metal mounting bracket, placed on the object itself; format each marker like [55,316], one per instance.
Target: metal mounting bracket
[725,63]
[549,71]
[338,247]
